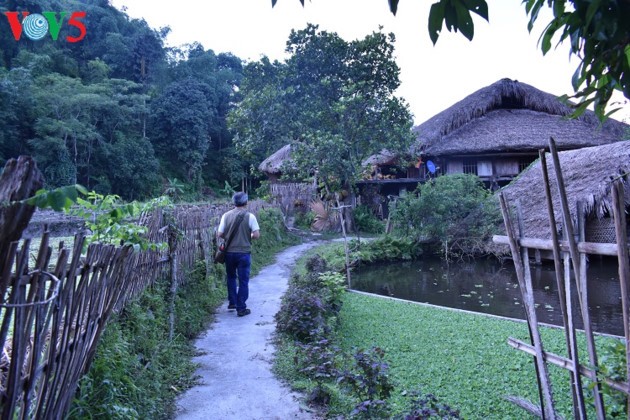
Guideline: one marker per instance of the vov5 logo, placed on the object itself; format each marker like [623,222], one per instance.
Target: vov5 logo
[35,26]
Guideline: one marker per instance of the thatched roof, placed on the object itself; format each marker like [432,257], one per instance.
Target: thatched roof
[274,163]
[588,174]
[510,116]
[384,157]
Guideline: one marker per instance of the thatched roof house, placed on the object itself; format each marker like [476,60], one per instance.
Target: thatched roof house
[588,175]
[274,164]
[510,116]
[496,133]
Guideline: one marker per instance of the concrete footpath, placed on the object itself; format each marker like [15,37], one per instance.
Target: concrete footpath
[236,356]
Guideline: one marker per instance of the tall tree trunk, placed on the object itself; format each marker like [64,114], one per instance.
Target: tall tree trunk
[20,179]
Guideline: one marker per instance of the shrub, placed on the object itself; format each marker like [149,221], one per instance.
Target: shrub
[312,302]
[428,407]
[613,366]
[365,221]
[369,381]
[455,211]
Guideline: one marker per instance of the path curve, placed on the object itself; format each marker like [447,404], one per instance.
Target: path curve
[235,365]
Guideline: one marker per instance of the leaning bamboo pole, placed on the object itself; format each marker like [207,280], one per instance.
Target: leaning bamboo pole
[569,330]
[548,407]
[568,229]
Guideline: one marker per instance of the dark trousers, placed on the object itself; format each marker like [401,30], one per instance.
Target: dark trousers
[238,265]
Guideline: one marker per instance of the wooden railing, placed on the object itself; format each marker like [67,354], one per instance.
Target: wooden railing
[570,260]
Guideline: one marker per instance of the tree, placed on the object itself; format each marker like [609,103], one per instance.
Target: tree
[180,121]
[455,211]
[332,100]
[598,32]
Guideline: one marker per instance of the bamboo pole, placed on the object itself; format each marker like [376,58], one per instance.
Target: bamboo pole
[577,269]
[611,250]
[621,233]
[566,363]
[561,271]
[345,241]
[528,275]
[530,311]
[600,410]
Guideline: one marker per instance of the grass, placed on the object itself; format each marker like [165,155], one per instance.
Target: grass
[461,358]
[138,372]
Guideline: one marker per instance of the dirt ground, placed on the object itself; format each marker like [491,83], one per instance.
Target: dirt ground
[236,357]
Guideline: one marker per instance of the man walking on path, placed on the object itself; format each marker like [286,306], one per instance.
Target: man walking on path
[238,227]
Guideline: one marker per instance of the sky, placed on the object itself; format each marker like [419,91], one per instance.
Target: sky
[432,77]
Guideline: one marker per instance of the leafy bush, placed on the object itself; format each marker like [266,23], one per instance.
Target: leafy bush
[612,365]
[428,407]
[301,315]
[455,211]
[369,381]
[385,248]
[304,220]
[365,221]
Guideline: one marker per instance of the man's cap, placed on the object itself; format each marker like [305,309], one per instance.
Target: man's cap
[240,199]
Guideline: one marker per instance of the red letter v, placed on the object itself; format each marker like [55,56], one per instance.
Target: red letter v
[16,26]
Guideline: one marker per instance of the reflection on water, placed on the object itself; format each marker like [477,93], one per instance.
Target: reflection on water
[489,287]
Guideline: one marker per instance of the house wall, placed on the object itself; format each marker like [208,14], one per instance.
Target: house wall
[293,197]
[454,167]
[507,167]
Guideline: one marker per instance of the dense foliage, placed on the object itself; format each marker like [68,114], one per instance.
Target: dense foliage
[116,112]
[455,211]
[332,100]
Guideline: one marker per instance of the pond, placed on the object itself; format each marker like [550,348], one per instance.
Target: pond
[487,286]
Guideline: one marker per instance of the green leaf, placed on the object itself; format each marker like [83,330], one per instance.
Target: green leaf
[393,6]
[558,8]
[57,200]
[464,21]
[480,7]
[436,17]
[533,13]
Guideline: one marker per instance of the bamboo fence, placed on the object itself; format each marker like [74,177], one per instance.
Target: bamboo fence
[570,256]
[52,313]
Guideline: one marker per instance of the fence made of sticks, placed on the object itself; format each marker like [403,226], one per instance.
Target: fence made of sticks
[53,311]
[570,261]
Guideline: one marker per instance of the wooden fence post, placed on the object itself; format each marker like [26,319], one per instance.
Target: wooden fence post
[172,255]
[20,179]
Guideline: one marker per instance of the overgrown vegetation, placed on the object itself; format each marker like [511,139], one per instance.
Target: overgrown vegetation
[382,248]
[138,371]
[454,211]
[366,222]
[354,382]
[378,358]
